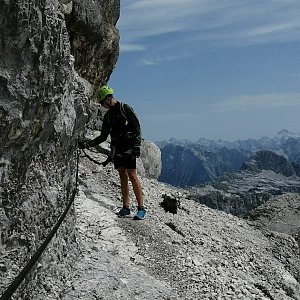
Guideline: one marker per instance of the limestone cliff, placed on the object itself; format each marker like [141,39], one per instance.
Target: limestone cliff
[52,56]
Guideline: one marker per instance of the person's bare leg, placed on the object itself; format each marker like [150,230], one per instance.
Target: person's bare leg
[136,185]
[124,186]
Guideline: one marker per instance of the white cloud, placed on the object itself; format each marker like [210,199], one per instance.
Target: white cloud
[274,28]
[228,22]
[258,102]
[159,59]
[131,47]
[295,75]
[242,103]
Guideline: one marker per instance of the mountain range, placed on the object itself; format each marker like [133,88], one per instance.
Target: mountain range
[186,163]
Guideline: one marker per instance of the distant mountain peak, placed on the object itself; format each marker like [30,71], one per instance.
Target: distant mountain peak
[285,134]
[270,160]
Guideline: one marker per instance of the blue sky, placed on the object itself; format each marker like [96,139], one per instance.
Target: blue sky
[210,68]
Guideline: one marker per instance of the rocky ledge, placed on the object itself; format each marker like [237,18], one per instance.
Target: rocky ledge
[196,253]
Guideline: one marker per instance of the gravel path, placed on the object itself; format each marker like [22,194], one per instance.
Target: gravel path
[197,253]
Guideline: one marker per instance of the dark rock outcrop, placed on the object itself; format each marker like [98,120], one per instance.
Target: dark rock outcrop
[236,204]
[93,37]
[269,160]
[43,110]
[189,165]
[180,166]
[291,148]
[281,214]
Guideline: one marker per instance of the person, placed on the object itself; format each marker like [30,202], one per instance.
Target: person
[123,126]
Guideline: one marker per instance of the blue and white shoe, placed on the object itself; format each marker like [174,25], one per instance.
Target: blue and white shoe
[140,214]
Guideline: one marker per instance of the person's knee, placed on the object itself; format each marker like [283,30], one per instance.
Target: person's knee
[133,176]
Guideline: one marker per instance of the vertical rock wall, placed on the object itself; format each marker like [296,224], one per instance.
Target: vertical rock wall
[52,57]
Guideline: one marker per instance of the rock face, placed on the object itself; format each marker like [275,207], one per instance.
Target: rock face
[93,37]
[189,165]
[52,53]
[269,160]
[281,214]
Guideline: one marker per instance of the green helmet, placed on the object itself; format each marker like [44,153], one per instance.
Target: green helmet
[104,91]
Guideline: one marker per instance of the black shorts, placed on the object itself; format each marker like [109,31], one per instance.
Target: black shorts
[126,161]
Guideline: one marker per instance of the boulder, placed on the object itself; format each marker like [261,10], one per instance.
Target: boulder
[151,158]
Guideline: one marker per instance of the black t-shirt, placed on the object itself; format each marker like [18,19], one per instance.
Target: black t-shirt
[122,124]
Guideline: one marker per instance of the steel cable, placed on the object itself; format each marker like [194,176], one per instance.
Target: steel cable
[10,290]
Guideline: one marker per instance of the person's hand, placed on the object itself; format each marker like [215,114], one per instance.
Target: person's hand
[136,152]
[130,135]
[84,144]
[81,145]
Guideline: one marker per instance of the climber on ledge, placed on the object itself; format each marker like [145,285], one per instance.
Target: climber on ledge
[123,126]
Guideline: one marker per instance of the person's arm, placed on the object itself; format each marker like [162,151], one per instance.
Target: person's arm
[136,133]
[105,130]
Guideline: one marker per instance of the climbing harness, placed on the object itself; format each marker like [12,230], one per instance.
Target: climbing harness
[21,276]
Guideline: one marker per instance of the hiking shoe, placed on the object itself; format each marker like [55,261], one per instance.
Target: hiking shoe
[140,214]
[124,211]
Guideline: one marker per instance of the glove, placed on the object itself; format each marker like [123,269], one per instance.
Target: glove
[136,151]
[84,144]
[130,135]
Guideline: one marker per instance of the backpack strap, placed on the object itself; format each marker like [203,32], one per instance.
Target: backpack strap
[123,112]
[130,117]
